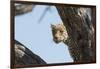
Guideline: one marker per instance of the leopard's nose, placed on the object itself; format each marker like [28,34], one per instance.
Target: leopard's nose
[56,41]
[56,38]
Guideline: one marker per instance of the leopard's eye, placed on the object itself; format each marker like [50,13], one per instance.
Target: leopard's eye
[61,31]
[54,32]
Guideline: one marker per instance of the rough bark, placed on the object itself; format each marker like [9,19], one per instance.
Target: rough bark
[21,9]
[23,56]
[81,32]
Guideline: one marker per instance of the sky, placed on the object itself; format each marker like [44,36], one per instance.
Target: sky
[37,35]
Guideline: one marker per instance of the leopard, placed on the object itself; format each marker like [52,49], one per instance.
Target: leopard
[60,34]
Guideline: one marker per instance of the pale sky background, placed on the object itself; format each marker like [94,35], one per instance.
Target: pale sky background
[37,36]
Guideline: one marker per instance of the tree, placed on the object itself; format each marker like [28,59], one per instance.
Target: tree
[24,56]
[80,30]
[21,9]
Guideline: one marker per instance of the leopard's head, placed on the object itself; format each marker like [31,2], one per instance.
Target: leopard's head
[59,33]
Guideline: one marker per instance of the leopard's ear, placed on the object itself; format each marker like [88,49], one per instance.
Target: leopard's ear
[52,26]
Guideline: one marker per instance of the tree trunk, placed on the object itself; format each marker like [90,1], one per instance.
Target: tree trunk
[81,31]
[21,9]
[25,57]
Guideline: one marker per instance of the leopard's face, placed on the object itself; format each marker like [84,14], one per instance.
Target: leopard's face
[59,33]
